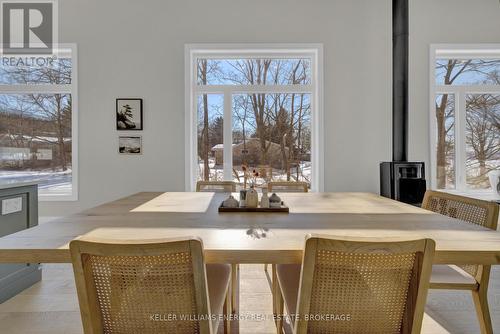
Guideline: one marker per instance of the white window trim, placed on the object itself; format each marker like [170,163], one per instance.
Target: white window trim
[69,89]
[464,51]
[194,51]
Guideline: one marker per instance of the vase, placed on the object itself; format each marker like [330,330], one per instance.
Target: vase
[230,202]
[274,201]
[264,201]
[243,198]
[252,198]
[494,177]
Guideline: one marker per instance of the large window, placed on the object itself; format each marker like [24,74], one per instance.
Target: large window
[38,122]
[253,107]
[465,116]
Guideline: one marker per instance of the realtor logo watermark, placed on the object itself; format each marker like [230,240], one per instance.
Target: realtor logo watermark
[28,27]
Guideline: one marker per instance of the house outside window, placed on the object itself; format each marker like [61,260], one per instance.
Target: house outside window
[254,106]
[38,122]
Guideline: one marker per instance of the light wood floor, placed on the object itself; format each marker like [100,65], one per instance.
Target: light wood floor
[51,306]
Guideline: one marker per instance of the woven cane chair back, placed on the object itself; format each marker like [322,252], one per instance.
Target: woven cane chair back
[216,186]
[371,287]
[467,209]
[141,288]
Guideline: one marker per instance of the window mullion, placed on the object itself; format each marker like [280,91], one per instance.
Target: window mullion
[193,162]
[228,136]
[35,89]
[271,89]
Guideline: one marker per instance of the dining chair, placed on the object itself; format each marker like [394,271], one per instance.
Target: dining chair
[474,278]
[216,186]
[225,187]
[284,187]
[358,287]
[160,286]
[287,186]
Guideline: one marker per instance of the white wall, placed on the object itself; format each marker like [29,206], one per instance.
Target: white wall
[136,49]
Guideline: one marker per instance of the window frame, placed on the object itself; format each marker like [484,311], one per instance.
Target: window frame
[228,51]
[71,89]
[460,92]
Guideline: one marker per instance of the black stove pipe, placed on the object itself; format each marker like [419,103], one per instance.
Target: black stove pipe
[400,54]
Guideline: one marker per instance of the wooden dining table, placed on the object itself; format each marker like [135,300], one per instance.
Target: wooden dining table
[242,237]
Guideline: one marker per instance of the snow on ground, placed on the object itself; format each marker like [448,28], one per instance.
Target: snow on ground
[217,173]
[50,181]
[40,173]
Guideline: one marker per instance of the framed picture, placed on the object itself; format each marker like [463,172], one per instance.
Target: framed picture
[130,145]
[129,114]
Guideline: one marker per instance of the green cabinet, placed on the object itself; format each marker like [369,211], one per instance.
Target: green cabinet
[18,211]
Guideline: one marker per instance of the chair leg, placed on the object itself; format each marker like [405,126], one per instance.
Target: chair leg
[279,311]
[234,286]
[227,311]
[265,267]
[480,298]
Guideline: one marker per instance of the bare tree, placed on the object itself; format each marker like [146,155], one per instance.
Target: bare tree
[452,70]
[205,68]
[482,134]
[58,108]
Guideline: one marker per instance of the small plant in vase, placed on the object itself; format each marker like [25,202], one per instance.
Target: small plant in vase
[249,176]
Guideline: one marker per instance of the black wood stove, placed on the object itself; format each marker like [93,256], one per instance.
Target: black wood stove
[403,181]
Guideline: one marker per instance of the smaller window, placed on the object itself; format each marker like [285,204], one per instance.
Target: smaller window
[29,71]
[467,72]
[482,138]
[445,147]
[254,71]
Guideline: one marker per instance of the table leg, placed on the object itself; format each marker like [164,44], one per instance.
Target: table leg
[235,288]
[274,291]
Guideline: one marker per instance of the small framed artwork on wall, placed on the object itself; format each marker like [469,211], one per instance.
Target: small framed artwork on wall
[130,145]
[129,114]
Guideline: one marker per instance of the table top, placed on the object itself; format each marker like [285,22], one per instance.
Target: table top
[254,237]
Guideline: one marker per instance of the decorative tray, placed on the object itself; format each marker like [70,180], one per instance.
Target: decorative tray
[283,208]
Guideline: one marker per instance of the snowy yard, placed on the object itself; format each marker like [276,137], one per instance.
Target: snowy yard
[48,179]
